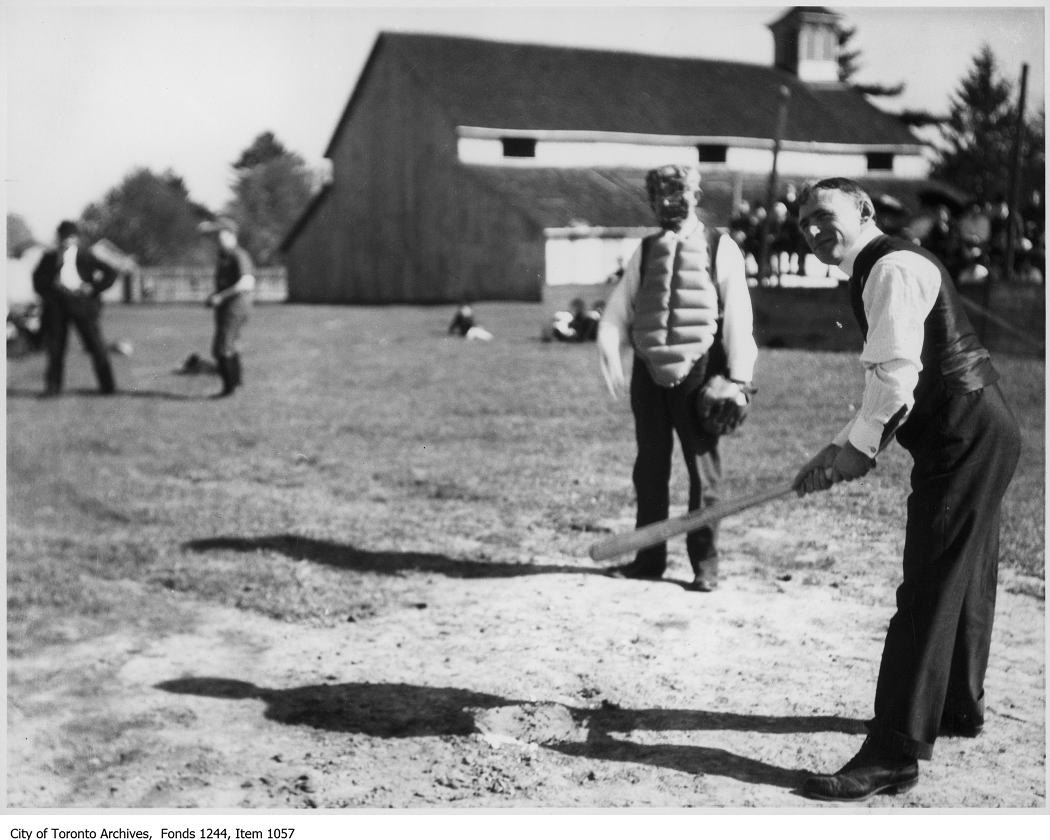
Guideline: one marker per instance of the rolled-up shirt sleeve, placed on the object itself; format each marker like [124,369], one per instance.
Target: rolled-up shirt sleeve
[619,307]
[615,324]
[738,319]
[898,296]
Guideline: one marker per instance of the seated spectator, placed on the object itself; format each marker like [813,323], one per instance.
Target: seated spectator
[464,324]
[579,323]
[24,333]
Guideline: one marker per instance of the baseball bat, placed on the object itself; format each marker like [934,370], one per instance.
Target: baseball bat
[659,532]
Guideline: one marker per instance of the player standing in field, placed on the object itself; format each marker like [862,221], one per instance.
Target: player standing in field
[684,306]
[930,383]
[231,300]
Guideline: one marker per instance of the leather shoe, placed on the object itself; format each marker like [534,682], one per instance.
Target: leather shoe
[869,772]
[706,576]
[960,727]
[636,571]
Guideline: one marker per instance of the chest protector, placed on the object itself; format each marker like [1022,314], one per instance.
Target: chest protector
[677,309]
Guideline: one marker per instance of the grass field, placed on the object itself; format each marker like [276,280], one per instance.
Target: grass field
[369,430]
[357,581]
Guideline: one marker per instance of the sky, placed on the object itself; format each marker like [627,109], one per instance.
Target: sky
[95,90]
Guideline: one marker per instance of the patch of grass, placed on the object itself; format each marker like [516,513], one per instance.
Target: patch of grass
[377,442]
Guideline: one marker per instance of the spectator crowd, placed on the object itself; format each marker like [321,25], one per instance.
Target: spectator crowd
[972,240]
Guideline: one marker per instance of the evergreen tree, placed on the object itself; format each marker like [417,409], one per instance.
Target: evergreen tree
[849,66]
[978,136]
[264,148]
[271,189]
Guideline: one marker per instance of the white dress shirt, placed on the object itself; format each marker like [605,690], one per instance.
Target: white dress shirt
[68,276]
[614,329]
[900,292]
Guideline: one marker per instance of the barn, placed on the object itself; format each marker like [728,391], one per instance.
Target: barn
[473,169]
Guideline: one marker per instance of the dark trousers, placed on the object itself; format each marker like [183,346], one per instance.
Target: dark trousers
[230,318]
[659,415]
[84,313]
[936,649]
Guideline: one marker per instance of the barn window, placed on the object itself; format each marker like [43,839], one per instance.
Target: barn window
[712,153]
[882,161]
[521,147]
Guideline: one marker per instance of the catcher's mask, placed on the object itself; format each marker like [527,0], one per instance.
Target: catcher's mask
[674,193]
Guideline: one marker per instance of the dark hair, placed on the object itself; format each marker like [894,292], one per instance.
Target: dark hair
[67,228]
[846,186]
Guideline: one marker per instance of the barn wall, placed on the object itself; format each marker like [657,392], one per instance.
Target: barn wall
[370,216]
[498,253]
[312,257]
[404,221]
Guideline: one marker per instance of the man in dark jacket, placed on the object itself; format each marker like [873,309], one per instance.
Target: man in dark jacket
[231,300]
[930,383]
[70,281]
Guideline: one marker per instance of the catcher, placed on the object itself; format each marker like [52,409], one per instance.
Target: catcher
[683,305]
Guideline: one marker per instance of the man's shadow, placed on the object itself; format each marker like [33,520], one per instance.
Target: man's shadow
[347,557]
[401,710]
[37,394]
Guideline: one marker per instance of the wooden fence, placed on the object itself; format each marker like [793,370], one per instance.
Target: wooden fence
[192,284]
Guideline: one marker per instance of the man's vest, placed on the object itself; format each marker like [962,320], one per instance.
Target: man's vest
[953,360]
[677,309]
[231,266]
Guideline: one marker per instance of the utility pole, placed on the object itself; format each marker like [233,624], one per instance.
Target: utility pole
[771,193]
[1013,214]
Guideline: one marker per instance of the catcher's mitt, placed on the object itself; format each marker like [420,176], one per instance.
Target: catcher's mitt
[722,405]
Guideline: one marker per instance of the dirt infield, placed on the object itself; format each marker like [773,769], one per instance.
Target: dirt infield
[553,688]
[363,583]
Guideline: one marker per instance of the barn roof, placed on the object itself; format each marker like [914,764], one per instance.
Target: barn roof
[558,198]
[613,198]
[537,87]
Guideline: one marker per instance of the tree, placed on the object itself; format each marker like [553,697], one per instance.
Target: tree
[19,236]
[978,136]
[1033,155]
[152,218]
[264,148]
[271,188]
[849,66]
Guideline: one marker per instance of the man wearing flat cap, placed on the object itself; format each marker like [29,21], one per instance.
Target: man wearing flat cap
[70,281]
[231,300]
[683,305]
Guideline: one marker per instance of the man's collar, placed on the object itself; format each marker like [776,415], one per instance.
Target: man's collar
[850,256]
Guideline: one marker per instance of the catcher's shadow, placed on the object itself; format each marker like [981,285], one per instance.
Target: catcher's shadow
[347,557]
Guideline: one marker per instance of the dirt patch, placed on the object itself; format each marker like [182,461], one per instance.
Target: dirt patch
[560,689]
